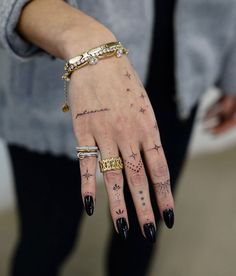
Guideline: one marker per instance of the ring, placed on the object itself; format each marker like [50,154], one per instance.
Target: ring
[82,155]
[111,164]
[87,151]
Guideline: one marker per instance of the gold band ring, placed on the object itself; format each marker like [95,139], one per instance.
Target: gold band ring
[111,164]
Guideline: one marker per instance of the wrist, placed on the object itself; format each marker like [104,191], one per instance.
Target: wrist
[73,45]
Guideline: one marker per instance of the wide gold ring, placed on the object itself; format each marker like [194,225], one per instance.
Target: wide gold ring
[111,164]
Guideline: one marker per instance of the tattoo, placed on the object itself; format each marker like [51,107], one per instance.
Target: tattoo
[134,167]
[155,126]
[142,198]
[128,90]
[133,155]
[87,175]
[88,193]
[128,75]
[131,105]
[120,212]
[86,112]
[142,96]
[156,147]
[163,187]
[116,187]
[142,110]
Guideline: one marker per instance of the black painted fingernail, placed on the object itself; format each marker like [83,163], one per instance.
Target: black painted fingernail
[122,228]
[89,205]
[150,232]
[169,217]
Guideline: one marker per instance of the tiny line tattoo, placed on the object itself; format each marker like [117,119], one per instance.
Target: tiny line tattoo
[87,175]
[120,212]
[86,112]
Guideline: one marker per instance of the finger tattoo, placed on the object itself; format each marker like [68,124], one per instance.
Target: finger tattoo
[163,187]
[87,175]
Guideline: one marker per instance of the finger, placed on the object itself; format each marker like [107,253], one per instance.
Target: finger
[114,185]
[88,179]
[138,185]
[223,127]
[159,173]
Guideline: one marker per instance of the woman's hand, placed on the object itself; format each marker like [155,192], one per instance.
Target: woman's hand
[223,113]
[111,109]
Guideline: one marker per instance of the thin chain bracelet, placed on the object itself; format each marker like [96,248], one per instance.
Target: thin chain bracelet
[90,57]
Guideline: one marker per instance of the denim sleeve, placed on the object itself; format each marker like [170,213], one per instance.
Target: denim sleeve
[10,39]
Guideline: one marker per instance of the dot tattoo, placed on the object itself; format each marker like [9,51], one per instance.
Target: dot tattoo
[134,167]
[87,175]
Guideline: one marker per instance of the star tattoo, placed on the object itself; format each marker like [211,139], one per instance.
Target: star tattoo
[87,175]
[128,75]
[142,110]
[133,155]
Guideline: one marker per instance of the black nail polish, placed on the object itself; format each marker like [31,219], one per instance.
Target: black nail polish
[89,205]
[150,232]
[169,217]
[122,228]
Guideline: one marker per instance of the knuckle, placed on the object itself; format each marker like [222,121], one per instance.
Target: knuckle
[112,176]
[138,178]
[159,172]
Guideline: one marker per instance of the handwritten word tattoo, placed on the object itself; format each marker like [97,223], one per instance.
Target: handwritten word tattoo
[87,175]
[134,167]
[128,75]
[163,187]
[87,112]
[120,212]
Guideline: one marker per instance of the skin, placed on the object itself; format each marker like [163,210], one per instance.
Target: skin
[109,108]
[223,112]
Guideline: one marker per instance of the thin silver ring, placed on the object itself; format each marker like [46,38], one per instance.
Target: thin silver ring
[82,155]
[88,148]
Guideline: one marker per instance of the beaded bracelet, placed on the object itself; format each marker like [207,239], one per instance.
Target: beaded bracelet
[90,57]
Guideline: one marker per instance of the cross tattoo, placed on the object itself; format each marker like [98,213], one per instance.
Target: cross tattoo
[87,175]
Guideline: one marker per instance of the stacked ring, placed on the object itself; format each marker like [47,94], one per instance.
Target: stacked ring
[111,164]
[87,151]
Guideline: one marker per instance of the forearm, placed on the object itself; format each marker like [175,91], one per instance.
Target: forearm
[60,29]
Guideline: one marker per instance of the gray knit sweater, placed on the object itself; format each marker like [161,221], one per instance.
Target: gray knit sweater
[31,90]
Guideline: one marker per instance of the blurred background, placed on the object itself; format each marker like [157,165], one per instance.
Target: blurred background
[203,241]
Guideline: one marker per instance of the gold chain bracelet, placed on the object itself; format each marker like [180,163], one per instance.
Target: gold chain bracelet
[90,57]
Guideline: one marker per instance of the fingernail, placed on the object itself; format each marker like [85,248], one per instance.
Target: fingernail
[150,232]
[122,228]
[89,205]
[169,217]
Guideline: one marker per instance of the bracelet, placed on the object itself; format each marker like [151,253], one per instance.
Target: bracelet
[90,57]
